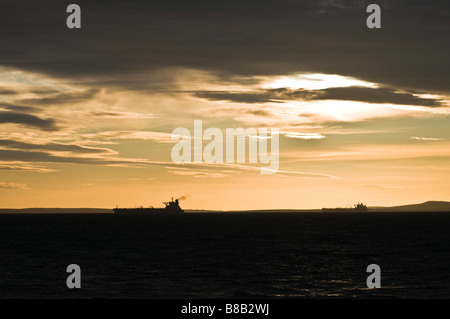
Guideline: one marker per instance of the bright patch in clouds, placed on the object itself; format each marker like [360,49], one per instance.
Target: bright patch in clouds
[346,111]
[304,136]
[316,81]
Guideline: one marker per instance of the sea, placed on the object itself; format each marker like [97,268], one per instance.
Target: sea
[225,255]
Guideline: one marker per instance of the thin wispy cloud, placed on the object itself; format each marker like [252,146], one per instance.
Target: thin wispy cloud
[13,186]
[303,136]
[123,115]
[159,137]
[197,174]
[418,138]
[54,147]
[17,166]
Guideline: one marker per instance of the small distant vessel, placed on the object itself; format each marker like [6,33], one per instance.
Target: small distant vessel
[172,207]
[360,207]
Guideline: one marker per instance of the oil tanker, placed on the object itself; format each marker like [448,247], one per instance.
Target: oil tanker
[172,207]
[360,207]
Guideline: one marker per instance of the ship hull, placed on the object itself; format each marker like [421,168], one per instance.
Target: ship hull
[172,208]
[343,210]
[147,211]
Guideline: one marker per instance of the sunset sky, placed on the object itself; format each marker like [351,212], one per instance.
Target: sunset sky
[86,115]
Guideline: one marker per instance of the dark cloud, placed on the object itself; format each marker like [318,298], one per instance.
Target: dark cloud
[4,91]
[104,113]
[260,113]
[17,108]
[374,95]
[122,42]
[237,97]
[353,93]
[28,120]
[231,111]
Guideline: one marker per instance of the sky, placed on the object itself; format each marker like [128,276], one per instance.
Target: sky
[87,115]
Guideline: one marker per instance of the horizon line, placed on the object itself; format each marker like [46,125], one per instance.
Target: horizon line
[406,207]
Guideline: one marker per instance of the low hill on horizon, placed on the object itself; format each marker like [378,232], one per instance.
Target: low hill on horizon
[429,206]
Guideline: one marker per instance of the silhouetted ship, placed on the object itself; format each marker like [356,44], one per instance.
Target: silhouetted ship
[172,207]
[360,207]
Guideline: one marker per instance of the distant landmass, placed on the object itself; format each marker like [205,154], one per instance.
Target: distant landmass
[430,206]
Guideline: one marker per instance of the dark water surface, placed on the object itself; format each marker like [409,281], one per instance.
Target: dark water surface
[225,255]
